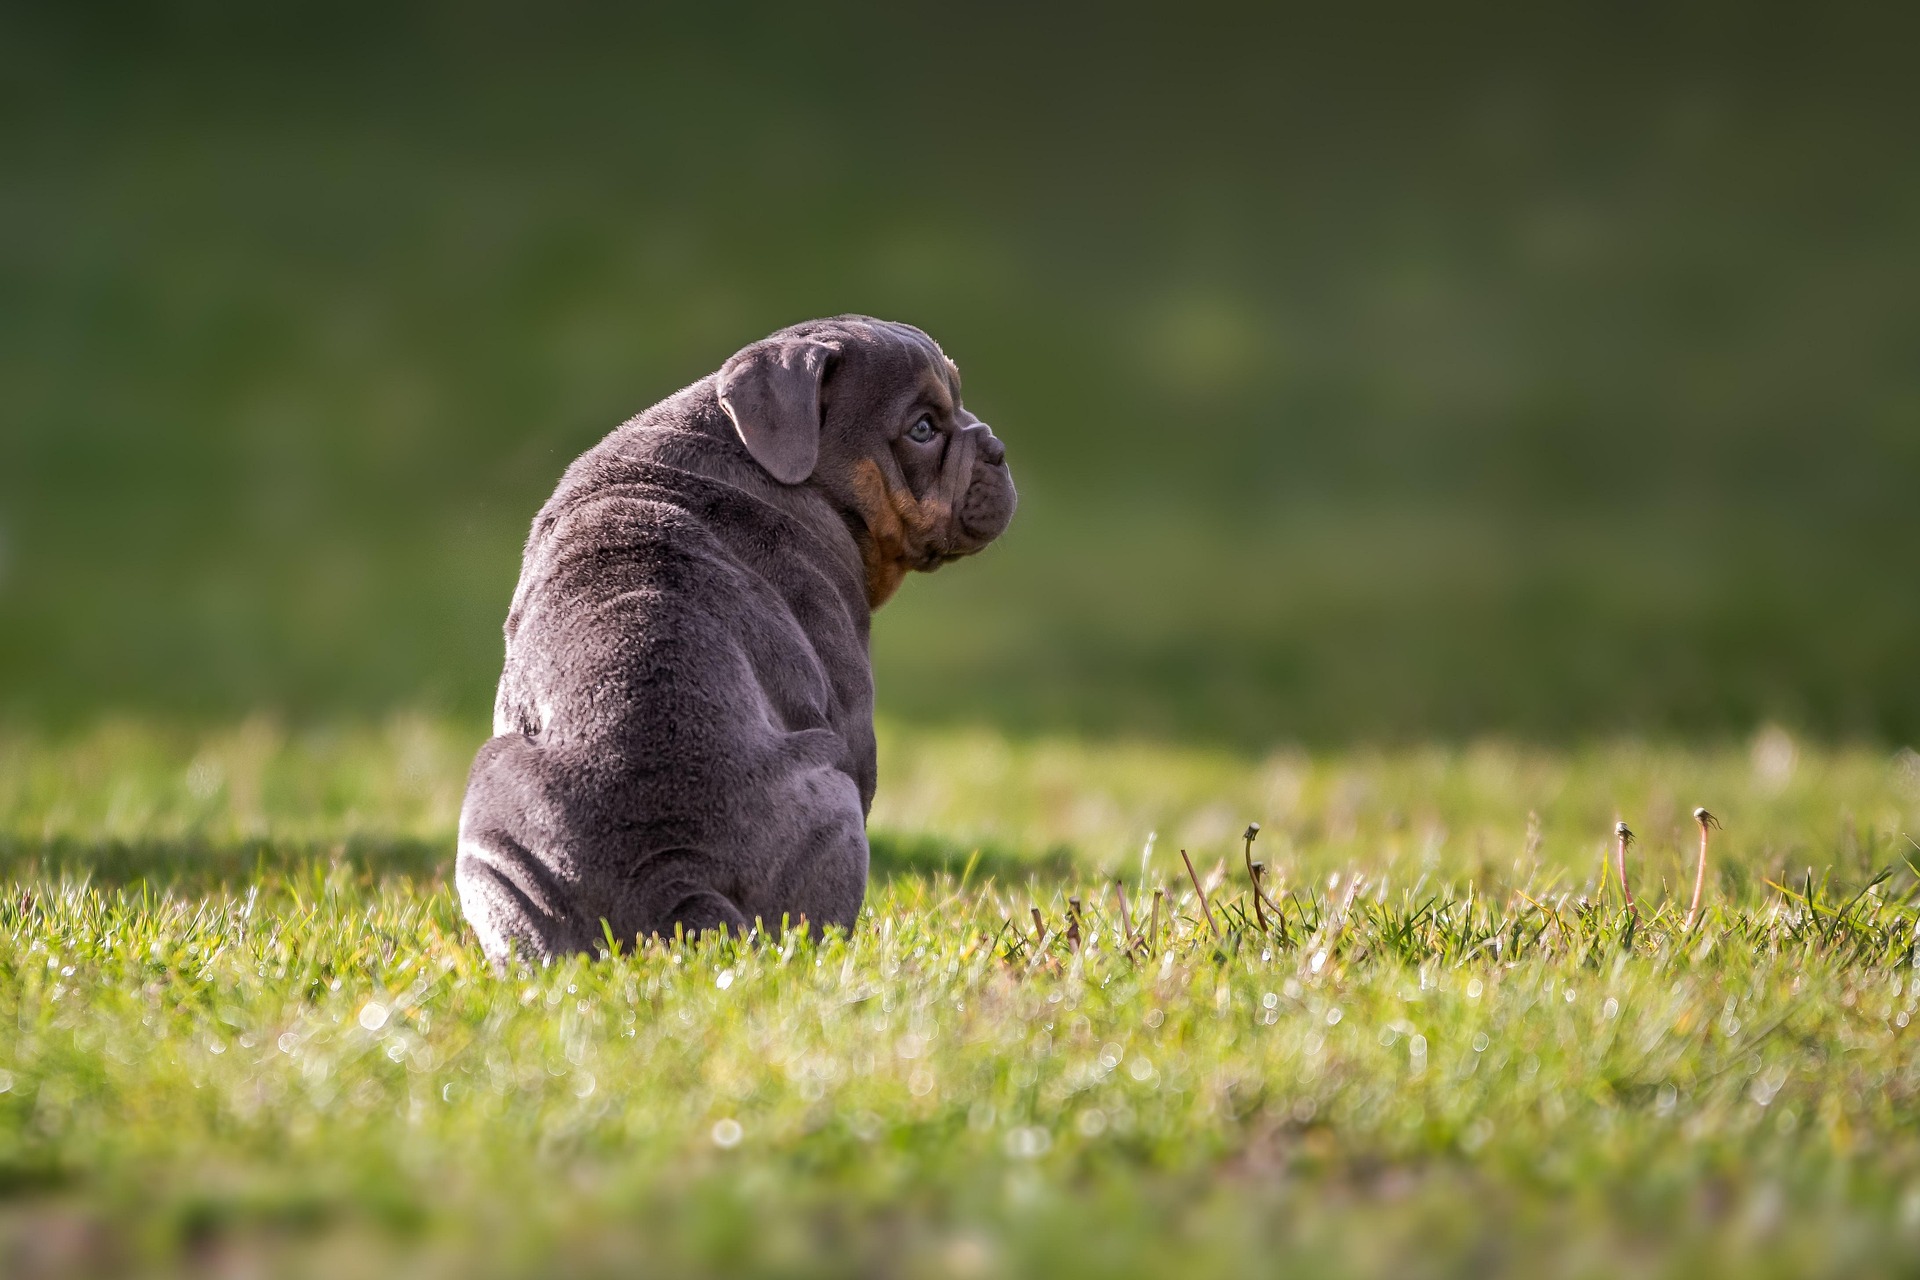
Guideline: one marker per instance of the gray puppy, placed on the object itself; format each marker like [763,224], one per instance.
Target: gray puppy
[684,728]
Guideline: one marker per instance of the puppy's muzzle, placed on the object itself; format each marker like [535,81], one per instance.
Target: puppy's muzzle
[986,504]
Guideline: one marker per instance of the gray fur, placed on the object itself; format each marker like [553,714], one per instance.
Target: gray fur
[684,726]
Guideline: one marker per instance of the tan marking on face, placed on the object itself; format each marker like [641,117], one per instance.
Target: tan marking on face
[900,529]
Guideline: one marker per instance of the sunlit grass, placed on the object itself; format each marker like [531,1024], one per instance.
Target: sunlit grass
[241,1023]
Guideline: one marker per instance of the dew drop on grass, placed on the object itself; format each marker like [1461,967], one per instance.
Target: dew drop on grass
[1480,1042]
[1474,988]
[727,1133]
[724,981]
[1476,1134]
[1910,1209]
[1029,1142]
[373,1015]
[969,1256]
[1333,1016]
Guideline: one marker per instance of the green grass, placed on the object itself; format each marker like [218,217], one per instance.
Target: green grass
[245,1028]
[1366,384]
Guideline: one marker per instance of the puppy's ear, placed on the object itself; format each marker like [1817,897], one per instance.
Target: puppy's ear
[771,390]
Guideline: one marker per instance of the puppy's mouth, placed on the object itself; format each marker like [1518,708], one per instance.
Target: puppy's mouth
[975,497]
[932,559]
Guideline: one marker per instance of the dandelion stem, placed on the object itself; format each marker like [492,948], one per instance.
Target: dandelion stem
[1253,876]
[1625,838]
[1706,821]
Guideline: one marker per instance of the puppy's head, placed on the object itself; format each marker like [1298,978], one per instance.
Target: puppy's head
[869,412]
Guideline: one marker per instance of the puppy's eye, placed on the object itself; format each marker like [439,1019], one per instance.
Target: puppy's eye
[922,431]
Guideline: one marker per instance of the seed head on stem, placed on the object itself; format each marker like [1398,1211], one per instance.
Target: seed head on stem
[1707,821]
[1253,874]
[1624,836]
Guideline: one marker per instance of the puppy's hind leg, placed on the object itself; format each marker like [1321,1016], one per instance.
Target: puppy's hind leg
[822,833]
[508,890]
[669,888]
[704,911]
[510,915]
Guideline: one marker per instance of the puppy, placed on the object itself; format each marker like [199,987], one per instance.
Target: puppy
[683,735]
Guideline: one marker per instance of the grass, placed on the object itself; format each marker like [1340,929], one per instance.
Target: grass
[1366,390]
[247,1031]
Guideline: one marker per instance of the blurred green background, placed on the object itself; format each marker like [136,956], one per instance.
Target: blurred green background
[1397,373]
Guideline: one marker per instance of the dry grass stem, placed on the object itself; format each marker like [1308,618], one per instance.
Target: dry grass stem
[1131,939]
[1200,889]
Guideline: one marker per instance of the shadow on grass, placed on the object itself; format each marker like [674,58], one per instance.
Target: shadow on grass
[895,856]
[190,864]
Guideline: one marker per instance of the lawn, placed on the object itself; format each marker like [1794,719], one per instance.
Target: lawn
[245,1029]
[1513,435]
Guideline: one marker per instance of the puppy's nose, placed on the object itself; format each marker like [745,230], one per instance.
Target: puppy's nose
[991,450]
